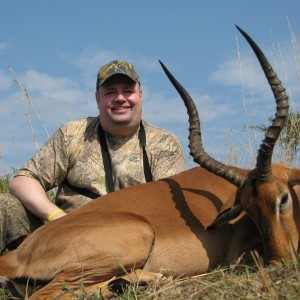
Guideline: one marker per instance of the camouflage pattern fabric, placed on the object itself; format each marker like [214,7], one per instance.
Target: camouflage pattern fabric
[116,67]
[15,222]
[73,153]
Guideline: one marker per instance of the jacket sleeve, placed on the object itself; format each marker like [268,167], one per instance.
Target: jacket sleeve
[50,163]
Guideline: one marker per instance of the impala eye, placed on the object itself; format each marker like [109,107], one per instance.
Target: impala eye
[284,201]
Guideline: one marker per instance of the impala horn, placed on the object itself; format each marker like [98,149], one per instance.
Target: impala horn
[195,140]
[264,157]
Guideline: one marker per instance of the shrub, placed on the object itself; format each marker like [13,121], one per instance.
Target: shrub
[4,183]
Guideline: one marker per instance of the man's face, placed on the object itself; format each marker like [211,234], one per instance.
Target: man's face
[119,101]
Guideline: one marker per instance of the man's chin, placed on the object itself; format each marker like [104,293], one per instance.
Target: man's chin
[121,122]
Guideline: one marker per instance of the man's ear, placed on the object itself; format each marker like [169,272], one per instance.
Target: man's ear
[97,96]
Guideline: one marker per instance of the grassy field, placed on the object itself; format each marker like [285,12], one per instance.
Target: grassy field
[4,181]
[235,282]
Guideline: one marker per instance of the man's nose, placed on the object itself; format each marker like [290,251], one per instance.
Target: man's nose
[120,97]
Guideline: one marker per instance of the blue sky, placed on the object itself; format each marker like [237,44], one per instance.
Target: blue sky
[56,48]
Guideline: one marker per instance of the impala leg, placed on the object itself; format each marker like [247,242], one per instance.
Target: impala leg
[115,256]
[118,284]
[106,288]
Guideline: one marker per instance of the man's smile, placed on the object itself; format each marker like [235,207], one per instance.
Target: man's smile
[120,108]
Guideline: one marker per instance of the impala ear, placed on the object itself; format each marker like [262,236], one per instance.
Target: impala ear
[230,210]
[225,216]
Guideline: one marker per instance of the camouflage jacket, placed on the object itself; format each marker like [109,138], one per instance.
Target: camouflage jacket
[73,153]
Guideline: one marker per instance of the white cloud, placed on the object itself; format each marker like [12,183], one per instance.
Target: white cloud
[163,108]
[3,47]
[5,81]
[90,60]
[55,100]
[42,82]
[247,73]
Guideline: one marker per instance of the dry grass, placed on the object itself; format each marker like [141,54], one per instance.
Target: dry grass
[279,282]
[235,282]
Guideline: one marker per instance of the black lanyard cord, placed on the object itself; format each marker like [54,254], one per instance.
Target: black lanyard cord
[107,161]
[147,169]
[108,167]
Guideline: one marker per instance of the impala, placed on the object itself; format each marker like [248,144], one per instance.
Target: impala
[183,225]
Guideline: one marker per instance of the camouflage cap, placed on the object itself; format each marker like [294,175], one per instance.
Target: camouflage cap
[117,67]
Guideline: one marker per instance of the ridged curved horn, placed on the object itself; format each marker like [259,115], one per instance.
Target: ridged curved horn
[195,141]
[264,158]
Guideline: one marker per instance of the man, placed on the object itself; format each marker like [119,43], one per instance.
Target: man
[90,157]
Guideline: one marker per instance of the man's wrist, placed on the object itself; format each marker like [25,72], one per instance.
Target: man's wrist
[57,211]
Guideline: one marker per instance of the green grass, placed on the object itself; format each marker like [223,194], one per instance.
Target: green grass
[4,183]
